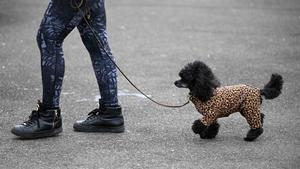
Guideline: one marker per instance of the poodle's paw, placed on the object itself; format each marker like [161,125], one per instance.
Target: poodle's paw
[253,134]
[203,135]
[198,127]
[212,131]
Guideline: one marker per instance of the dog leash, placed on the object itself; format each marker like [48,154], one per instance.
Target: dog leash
[86,16]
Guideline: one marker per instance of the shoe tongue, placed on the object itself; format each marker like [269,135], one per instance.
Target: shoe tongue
[102,109]
[34,114]
[40,106]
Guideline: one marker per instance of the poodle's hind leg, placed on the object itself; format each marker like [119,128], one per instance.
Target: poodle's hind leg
[199,128]
[254,118]
[253,134]
[256,123]
[212,130]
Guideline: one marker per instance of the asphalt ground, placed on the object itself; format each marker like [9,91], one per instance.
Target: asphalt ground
[243,41]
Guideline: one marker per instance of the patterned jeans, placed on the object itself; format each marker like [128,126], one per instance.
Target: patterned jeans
[59,20]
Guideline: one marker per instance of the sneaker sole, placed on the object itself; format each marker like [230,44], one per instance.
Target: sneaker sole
[48,133]
[100,129]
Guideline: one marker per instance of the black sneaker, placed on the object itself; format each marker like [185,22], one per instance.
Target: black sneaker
[42,123]
[104,119]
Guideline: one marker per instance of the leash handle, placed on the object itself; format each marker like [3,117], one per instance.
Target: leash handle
[101,46]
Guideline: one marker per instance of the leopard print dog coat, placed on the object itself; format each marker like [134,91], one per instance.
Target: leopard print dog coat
[230,99]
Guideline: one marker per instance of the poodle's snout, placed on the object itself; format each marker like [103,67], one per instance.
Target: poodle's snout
[176,83]
[180,84]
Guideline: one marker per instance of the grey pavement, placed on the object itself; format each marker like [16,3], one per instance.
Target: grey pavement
[243,41]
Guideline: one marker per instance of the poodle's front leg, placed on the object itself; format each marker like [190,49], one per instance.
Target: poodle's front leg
[212,130]
[207,127]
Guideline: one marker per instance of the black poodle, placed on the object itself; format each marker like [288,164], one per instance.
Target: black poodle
[214,101]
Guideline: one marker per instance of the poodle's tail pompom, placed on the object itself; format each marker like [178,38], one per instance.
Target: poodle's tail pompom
[273,88]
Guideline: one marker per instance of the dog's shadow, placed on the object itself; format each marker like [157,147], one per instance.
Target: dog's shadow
[221,139]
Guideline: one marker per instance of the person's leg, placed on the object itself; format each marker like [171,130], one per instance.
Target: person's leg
[101,56]
[108,118]
[59,19]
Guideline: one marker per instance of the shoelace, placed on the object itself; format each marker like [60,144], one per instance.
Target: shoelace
[94,113]
[34,117]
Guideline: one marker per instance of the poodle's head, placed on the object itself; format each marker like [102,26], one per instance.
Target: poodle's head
[199,79]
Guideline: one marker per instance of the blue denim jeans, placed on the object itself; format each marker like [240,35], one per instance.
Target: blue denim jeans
[59,20]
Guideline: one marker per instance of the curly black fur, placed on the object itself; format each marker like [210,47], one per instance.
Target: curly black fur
[212,130]
[198,127]
[205,132]
[253,134]
[199,78]
[273,88]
